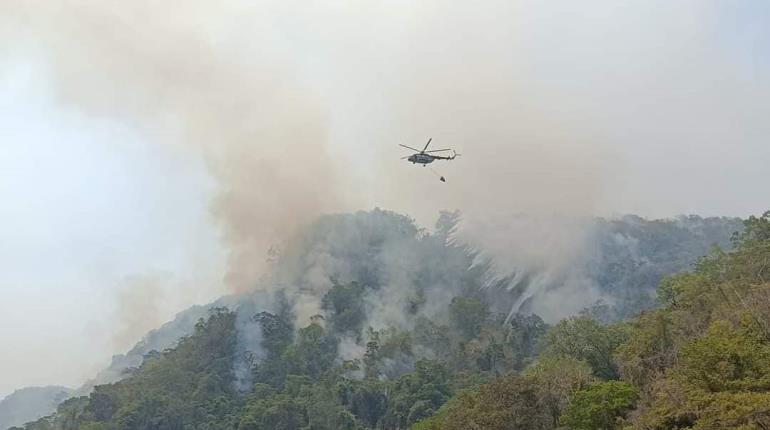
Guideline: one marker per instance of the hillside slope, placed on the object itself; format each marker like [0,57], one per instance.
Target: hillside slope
[371,305]
[700,361]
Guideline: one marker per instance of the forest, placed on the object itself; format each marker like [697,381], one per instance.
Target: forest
[405,329]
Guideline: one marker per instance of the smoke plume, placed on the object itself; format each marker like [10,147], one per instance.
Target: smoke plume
[240,88]
[173,73]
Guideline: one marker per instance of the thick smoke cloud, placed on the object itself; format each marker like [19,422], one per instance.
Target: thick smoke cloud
[549,260]
[276,97]
[160,68]
[243,93]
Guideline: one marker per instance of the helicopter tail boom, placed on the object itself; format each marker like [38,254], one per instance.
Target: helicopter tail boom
[452,157]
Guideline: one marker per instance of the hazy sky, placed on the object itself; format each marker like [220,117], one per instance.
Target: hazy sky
[112,219]
[85,204]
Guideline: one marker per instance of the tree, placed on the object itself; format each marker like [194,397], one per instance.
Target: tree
[584,339]
[556,379]
[600,407]
[277,336]
[417,395]
[726,359]
[648,351]
[722,380]
[526,332]
[468,314]
[312,354]
[279,412]
[366,399]
[507,403]
[346,306]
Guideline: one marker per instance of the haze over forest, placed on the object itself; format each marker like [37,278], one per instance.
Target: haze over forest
[153,154]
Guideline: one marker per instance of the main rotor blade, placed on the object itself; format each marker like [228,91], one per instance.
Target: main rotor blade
[426,145]
[409,147]
[437,150]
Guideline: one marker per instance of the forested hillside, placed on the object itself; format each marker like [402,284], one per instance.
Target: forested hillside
[700,361]
[369,322]
[624,259]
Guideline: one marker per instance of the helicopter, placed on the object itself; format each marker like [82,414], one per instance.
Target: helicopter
[425,157]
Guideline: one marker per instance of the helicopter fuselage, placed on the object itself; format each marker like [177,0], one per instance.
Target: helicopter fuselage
[421,158]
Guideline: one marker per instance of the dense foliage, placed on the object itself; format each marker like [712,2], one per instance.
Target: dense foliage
[701,360]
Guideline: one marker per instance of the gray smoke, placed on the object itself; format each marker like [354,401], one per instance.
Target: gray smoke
[171,72]
[548,256]
[295,120]
[249,349]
